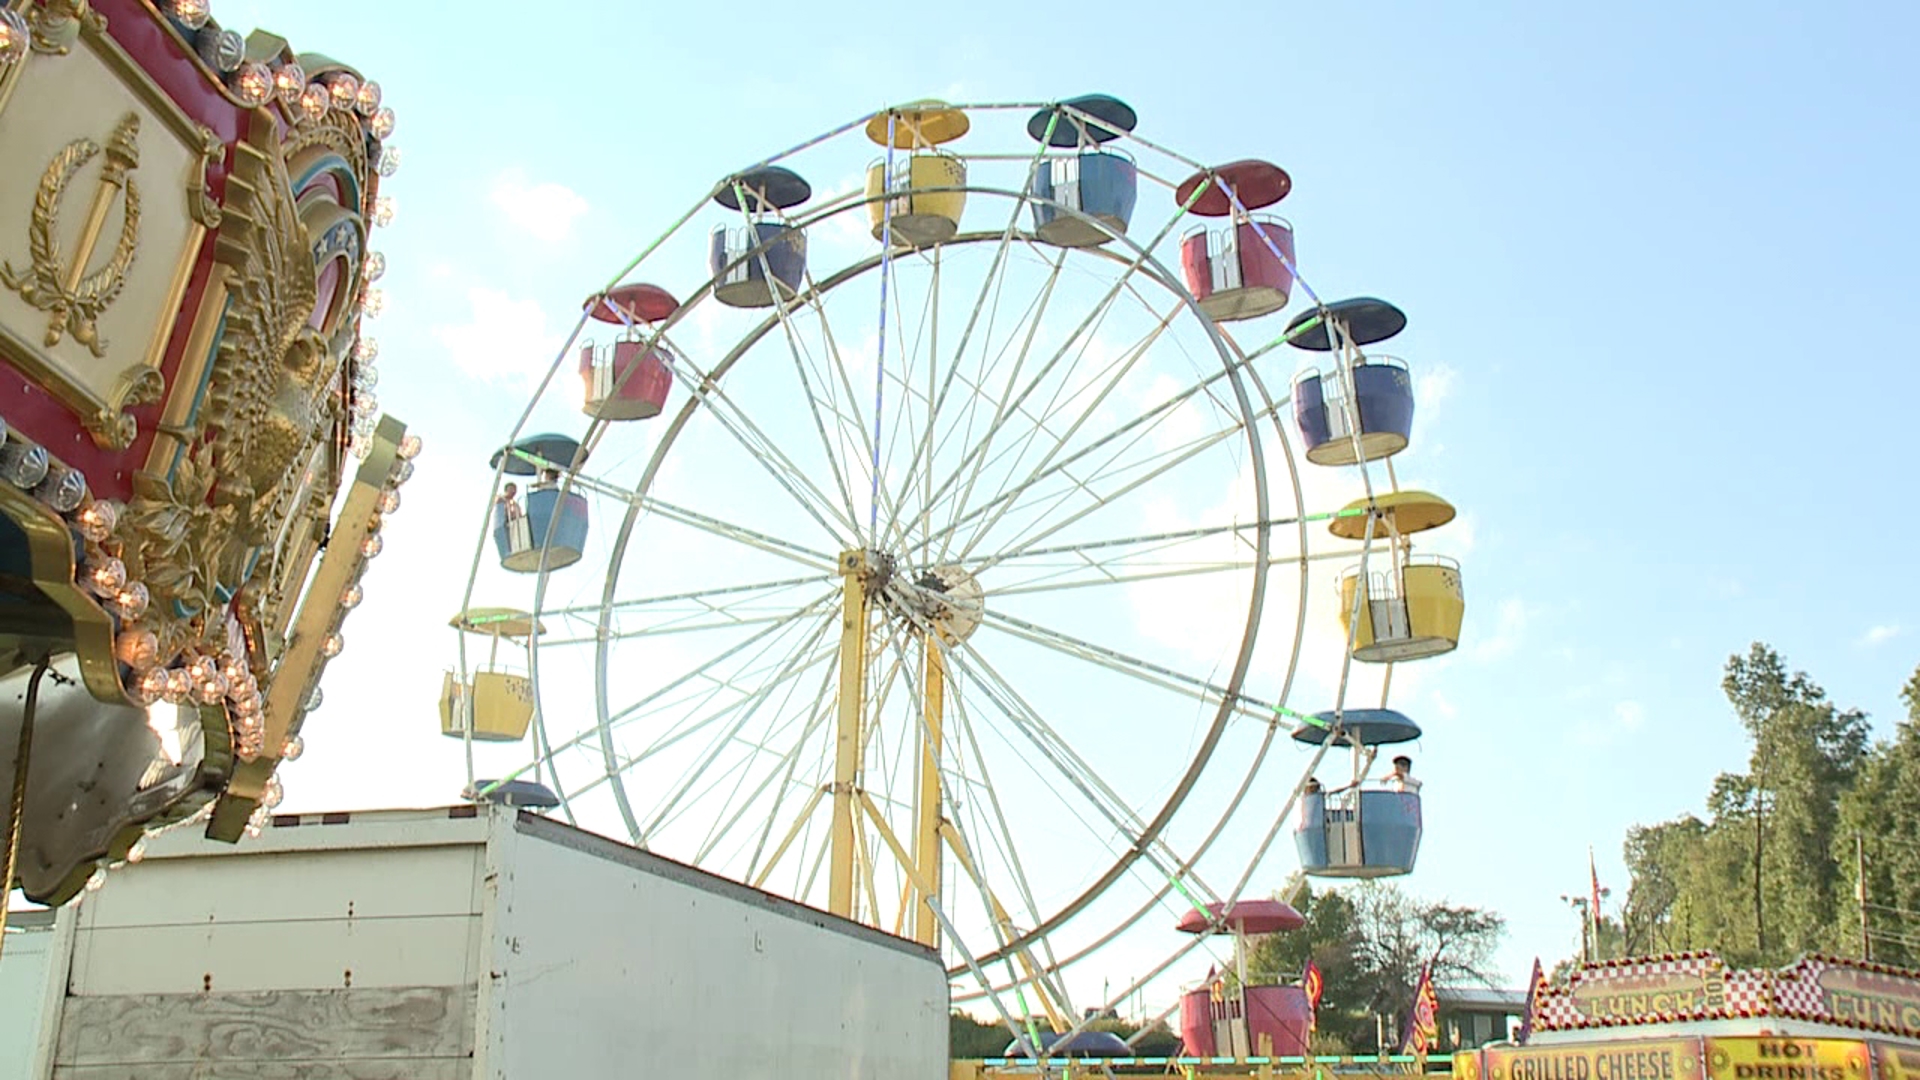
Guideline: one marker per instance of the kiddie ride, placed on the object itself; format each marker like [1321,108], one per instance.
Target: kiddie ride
[815,534]
[184,221]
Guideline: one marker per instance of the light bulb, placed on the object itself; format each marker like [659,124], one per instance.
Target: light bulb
[138,851]
[14,36]
[235,672]
[272,793]
[223,50]
[62,489]
[96,521]
[352,597]
[368,100]
[315,699]
[389,502]
[372,546]
[247,707]
[178,686]
[294,748]
[252,84]
[191,14]
[409,448]
[137,647]
[314,101]
[23,464]
[389,160]
[344,89]
[402,473]
[381,123]
[374,303]
[383,211]
[153,685]
[331,645]
[365,378]
[203,668]
[366,350]
[375,266]
[290,82]
[210,691]
[131,601]
[97,880]
[361,447]
[107,576]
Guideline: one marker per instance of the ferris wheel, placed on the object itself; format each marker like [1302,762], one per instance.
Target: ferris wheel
[930,549]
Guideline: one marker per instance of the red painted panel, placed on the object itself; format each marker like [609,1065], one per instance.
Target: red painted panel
[140,30]
[1196,1022]
[1195,266]
[1257,183]
[1258,264]
[641,302]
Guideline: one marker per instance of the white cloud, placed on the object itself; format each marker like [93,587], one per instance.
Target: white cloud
[506,339]
[1628,718]
[1631,716]
[1432,385]
[1509,629]
[1879,635]
[546,211]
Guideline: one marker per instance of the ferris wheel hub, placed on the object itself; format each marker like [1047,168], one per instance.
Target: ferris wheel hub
[946,596]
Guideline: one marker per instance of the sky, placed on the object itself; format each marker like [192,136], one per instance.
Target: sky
[1640,246]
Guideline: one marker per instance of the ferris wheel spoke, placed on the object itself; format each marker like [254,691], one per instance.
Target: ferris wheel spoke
[801,365]
[744,710]
[1133,431]
[997,825]
[962,481]
[736,422]
[1058,581]
[1120,817]
[1120,368]
[1133,667]
[817,717]
[702,597]
[1097,502]
[819,608]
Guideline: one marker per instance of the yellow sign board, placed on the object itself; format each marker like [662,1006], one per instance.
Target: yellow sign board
[1786,1059]
[1897,1062]
[1647,1059]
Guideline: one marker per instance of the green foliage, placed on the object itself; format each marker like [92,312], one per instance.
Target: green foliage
[1771,872]
[1369,943]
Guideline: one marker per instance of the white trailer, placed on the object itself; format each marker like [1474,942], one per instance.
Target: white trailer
[467,943]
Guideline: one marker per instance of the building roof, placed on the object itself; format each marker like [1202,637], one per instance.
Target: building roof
[1480,997]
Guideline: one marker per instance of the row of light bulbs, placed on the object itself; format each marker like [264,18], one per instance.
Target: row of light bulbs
[254,83]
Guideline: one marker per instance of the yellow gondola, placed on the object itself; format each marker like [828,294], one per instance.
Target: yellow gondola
[499,701]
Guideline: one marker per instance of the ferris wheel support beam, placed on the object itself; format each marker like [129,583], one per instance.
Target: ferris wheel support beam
[1045,990]
[926,840]
[855,567]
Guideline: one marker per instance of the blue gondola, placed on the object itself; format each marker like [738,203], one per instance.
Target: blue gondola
[546,516]
[1096,183]
[1385,393]
[741,258]
[1358,833]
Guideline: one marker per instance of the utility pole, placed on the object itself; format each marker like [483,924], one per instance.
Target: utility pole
[1860,892]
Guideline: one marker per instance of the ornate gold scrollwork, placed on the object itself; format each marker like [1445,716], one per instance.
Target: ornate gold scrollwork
[200,200]
[56,25]
[65,290]
[111,427]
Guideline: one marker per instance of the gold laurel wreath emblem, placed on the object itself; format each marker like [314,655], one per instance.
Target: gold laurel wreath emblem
[74,298]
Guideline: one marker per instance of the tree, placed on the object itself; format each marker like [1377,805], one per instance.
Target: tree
[1806,754]
[1370,943]
[1769,874]
[1880,828]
